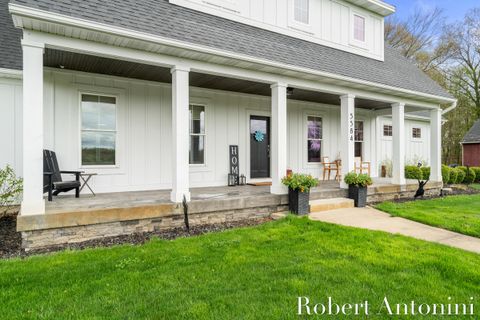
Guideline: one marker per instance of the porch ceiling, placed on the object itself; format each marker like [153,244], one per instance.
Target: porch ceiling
[94,64]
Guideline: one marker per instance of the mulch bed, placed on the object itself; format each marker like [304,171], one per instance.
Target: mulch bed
[455,192]
[11,240]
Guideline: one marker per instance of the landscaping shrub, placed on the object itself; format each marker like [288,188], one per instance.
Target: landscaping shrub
[413,172]
[469,176]
[298,181]
[460,175]
[453,175]
[477,173]
[358,180]
[446,173]
[11,188]
[463,168]
[425,173]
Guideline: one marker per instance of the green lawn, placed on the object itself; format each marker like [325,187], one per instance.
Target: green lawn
[250,273]
[456,213]
[475,186]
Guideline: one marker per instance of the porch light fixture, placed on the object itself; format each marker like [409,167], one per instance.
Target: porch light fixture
[289,91]
[242,180]
[232,179]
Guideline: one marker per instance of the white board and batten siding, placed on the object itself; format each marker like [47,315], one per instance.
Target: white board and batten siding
[11,123]
[144,130]
[330,22]
[416,149]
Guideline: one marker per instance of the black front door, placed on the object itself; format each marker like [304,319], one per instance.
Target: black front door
[259,147]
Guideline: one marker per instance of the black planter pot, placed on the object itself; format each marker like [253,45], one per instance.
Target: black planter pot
[358,194]
[299,202]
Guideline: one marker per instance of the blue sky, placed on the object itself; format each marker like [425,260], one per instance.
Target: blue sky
[453,9]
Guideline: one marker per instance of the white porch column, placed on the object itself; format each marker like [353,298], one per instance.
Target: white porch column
[279,137]
[180,134]
[33,202]
[347,136]
[398,157]
[436,145]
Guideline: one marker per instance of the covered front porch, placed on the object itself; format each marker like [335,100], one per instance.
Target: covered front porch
[230,96]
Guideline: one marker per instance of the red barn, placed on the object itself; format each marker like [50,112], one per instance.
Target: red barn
[471,146]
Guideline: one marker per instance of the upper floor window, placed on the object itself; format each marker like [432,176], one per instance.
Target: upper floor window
[301,10]
[98,130]
[416,133]
[359,28]
[197,134]
[387,130]
[314,139]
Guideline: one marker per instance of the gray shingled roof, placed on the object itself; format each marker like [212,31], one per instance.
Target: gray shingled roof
[473,135]
[10,49]
[160,18]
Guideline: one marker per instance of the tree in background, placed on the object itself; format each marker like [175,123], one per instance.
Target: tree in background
[466,76]
[449,54]
[421,38]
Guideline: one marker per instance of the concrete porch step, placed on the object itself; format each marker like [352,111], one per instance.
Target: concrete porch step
[330,204]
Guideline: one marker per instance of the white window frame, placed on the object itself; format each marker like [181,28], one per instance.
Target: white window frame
[307,115]
[383,130]
[363,140]
[190,134]
[298,25]
[353,41]
[122,128]
[117,135]
[295,11]
[421,133]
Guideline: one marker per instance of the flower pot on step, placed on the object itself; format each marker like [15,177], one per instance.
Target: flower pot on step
[358,194]
[299,202]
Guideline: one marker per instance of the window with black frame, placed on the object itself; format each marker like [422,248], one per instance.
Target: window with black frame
[98,130]
[197,134]
[358,138]
[314,139]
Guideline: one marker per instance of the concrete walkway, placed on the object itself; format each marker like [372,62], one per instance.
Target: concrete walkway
[372,219]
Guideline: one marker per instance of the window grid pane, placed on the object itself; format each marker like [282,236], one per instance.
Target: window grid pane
[387,131]
[314,139]
[359,131]
[301,9]
[417,133]
[359,28]
[197,134]
[314,128]
[98,134]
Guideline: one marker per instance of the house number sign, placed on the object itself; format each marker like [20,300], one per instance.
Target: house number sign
[351,127]
[234,160]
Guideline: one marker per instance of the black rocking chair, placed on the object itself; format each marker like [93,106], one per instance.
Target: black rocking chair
[52,177]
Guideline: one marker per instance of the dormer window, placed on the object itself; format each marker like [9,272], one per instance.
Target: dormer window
[301,11]
[359,28]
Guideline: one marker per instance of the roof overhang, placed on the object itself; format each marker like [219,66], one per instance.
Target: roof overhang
[377,6]
[470,142]
[75,28]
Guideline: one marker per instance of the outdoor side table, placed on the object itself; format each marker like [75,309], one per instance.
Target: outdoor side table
[86,178]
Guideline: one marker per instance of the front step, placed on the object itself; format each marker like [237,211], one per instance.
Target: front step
[330,204]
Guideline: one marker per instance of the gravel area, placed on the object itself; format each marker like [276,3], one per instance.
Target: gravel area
[10,240]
